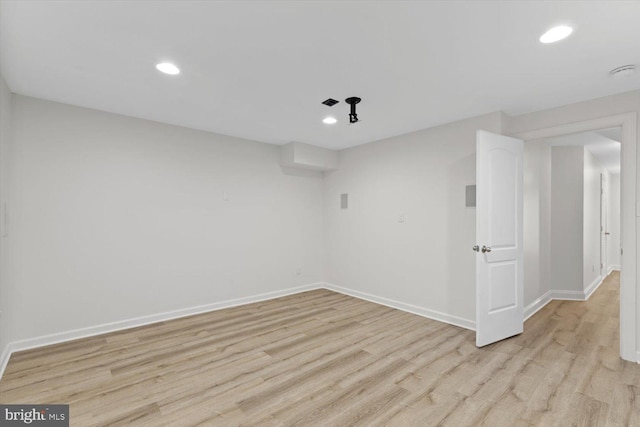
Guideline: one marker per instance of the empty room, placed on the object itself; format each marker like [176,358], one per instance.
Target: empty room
[319,213]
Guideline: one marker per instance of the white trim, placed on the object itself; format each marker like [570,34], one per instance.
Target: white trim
[576,295]
[628,274]
[90,331]
[613,268]
[589,290]
[4,358]
[568,295]
[409,308]
[577,127]
[537,305]
[551,295]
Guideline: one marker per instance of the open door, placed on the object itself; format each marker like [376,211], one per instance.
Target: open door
[499,231]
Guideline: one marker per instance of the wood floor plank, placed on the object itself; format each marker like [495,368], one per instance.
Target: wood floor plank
[320,358]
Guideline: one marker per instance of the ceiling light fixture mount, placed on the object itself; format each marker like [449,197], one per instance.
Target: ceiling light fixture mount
[353,117]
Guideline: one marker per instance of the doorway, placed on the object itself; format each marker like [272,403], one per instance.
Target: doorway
[628,292]
[583,233]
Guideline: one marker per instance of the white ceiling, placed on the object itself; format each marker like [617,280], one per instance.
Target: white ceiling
[260,69]
[603,144]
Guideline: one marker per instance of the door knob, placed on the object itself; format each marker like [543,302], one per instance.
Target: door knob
[486,249]
[607,233]
[476,248]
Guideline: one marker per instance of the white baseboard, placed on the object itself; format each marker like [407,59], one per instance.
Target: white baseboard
[75,334]
[410,308]
[592,287]
[567,295]
[614,267]
[537,305]
[4,358]
[578,295]
[549,296]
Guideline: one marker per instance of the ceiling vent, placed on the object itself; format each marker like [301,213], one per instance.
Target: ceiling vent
[623,71]
[330,102]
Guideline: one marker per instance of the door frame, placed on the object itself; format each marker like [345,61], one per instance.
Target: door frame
[604,225]
[628,237]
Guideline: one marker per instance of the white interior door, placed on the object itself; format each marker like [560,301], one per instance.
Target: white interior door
[604,230]
[499,230]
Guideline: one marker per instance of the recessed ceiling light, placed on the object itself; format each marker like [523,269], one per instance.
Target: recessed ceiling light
[329,120]
[625,70]
[168,68]
[556,34]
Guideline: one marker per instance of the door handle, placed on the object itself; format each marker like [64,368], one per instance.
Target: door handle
[476,248]
[606,234]
[486,249]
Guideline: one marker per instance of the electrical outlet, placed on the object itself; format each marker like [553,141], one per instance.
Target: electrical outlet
[401,217]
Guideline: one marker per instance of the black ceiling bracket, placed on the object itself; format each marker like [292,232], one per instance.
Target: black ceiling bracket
[353,117]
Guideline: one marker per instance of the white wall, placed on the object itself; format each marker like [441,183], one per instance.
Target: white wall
[126,216]
[537,220]
[567,201]
[575,219]
[425,261]
[115,218]
[305,156]
[545,219]
[613,221]
[5,136]
[591,217]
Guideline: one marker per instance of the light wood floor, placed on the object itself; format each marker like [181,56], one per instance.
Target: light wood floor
[324,359]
